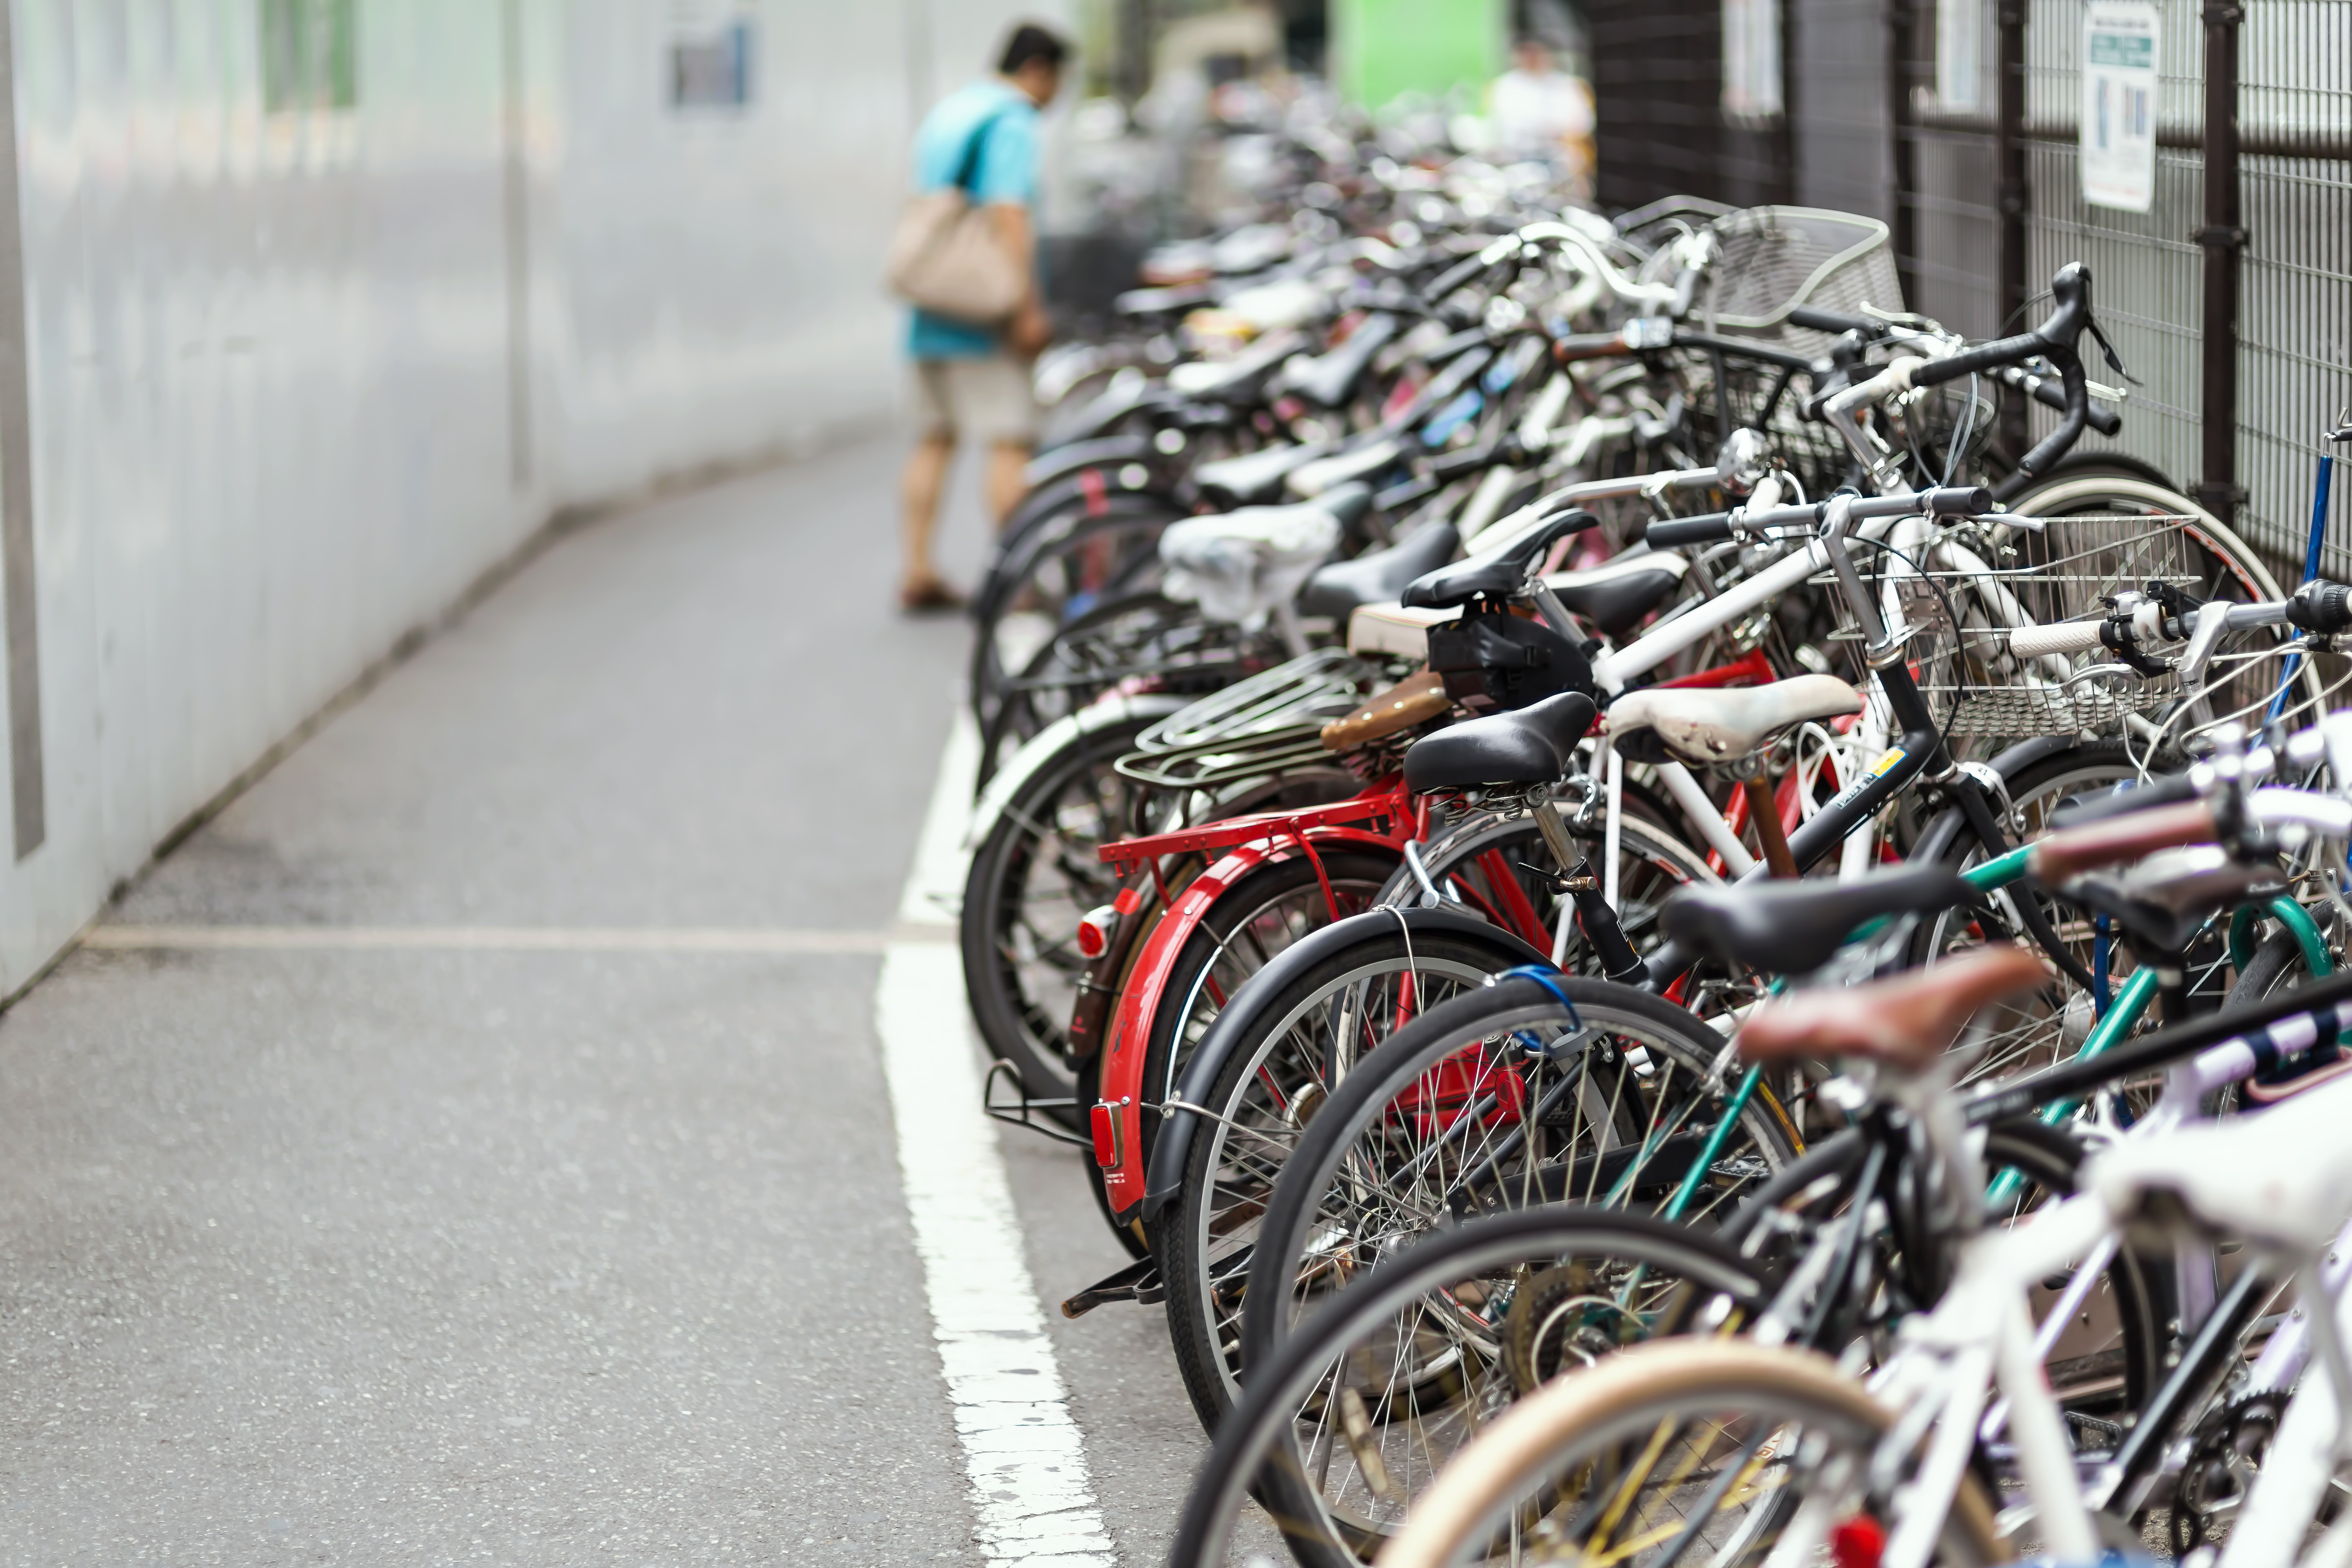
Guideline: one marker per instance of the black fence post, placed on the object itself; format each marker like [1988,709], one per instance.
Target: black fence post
[2223,237]
[1902,151]
[2008,156]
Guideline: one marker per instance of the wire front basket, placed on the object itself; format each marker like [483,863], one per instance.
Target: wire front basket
[1954,598]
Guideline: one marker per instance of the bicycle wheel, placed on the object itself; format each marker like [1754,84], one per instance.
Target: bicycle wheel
[1525,1092]
[2052,1023]
[1269,1086]
[1062,565]
[1717,1445]
[1142,642]
[1343,1430]
[1032,876]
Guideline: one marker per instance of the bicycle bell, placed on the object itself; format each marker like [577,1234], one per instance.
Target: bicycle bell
[1745,458]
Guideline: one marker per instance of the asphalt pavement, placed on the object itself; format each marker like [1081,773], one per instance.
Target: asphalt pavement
[489,1160]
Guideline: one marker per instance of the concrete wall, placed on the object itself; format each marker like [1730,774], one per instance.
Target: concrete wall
[294,376]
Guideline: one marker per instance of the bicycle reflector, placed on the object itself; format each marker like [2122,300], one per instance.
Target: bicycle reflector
[1094,931]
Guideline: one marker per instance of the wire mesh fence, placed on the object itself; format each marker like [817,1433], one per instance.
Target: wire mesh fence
[1977,117]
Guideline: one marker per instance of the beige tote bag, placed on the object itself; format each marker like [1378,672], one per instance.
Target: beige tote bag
[945,257]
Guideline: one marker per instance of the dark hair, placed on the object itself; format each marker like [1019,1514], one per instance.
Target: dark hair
[1031,42]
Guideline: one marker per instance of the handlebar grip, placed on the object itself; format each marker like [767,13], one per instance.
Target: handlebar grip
[1669,532]
[1589,345]
[2075,850]
[1956,500]
[2321,606]
[2064,636]
[1830,321]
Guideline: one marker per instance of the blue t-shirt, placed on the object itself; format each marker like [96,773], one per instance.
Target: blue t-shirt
[1007,172]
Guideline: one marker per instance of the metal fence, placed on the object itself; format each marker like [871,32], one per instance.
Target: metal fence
[2230,301]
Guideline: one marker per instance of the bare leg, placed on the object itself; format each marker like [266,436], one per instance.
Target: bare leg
[1005,486]
[926,476]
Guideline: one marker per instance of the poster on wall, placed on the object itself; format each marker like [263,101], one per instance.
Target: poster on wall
[1751,58]
[1959,55]
[2121,56]
[708,65]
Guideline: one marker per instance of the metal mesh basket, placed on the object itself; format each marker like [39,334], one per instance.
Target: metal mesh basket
[1954,604]
[1777,258]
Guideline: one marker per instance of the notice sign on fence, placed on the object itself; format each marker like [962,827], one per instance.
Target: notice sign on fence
[2120,60]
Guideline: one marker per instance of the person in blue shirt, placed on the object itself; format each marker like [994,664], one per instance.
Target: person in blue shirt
[970,381]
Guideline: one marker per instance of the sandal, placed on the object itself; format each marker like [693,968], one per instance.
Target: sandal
[927,598]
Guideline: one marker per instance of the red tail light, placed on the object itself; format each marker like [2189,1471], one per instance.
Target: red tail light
[1094,932]
[1106,1131]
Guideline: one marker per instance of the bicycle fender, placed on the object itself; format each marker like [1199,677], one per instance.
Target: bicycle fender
[1060,462]
[1042,747]
[1121,1078]
[1166,1175]
[1139,1004]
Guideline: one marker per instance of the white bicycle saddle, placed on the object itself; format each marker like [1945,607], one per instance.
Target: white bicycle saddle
[2281,1176]
[1704,726]
[1237,566]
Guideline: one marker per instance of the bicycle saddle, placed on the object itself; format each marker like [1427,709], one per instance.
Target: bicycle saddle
[1254,476]
[1905,1021]
[2282,1177]
[1615,596]
[1378,576]
[1328,379]
[1792,928]
[1704,726]
[2166,897]
[1340,468]
[1531,745]
[1497,574]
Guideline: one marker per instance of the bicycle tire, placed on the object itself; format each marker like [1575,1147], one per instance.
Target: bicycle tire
[1438,1062]
[1232,1160]
[1638,1392]
[1017,1020]
[1258,1449]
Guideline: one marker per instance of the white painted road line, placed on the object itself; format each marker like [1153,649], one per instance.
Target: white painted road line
[501,939]
[1031,1492]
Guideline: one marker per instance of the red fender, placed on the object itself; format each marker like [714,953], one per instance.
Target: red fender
[1118,1117]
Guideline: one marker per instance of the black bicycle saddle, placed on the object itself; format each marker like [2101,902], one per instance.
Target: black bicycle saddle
[1529,746]
[1499,573]
[1378,576]
[1792,928]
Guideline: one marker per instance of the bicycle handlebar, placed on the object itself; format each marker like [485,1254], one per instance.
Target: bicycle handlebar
[2074,850]
[1830,321]
[1715,528]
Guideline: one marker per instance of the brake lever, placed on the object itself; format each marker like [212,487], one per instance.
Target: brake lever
[2108,350]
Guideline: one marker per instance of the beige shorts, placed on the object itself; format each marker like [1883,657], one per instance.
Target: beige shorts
[979,399]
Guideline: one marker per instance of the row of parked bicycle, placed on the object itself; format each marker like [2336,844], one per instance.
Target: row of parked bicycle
[1666,945]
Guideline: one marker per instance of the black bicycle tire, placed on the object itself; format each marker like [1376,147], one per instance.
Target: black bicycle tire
[1241,1462]
[1001,1018]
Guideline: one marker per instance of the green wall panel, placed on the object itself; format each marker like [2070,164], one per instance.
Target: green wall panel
[1382,47]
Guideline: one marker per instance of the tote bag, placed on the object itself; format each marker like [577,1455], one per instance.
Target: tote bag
[946,257]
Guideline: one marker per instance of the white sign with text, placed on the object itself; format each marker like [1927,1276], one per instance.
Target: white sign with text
[2121,55]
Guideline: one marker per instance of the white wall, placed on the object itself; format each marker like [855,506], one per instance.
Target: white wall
[277,414]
